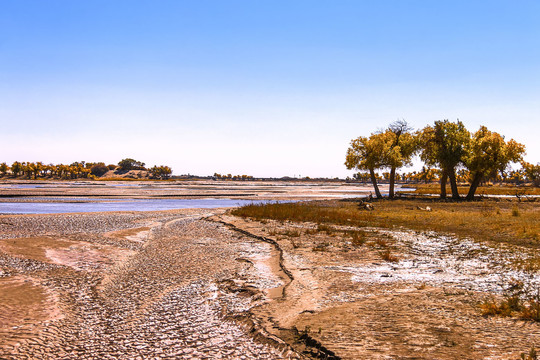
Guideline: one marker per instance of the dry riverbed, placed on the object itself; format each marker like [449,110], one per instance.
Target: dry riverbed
[132,285]
[372,293]
[203,284]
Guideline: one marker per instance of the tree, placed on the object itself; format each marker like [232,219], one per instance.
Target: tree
[366,154]
[130,164]
[488,153]
[161,172]
[532,172]
[445,145]
[16,168]
[402,146]
[391,148]
[4,168]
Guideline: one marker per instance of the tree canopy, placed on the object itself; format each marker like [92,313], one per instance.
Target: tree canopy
[487,154]
[445,145]
[448,146]
[130,164]
[365,154]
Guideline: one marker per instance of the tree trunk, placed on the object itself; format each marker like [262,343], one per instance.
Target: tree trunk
[444,176]
[392,182]
[474,185]
[374,182]
[453,185]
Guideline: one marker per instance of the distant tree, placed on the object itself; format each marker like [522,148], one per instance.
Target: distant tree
[488,153]
[445,145]
[161,172]
[4,168]
[531,172]
[99,169]
[130,164]
[16,168]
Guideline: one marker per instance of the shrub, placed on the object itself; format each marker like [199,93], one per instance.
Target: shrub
[99,169]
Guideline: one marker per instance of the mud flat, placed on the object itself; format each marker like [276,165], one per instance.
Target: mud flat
[423,303]
[251,190]
[133,285]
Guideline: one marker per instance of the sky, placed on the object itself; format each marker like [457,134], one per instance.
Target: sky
[262,88]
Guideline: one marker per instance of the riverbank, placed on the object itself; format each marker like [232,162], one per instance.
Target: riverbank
[367,286]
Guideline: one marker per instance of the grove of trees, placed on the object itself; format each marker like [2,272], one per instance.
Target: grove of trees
[449,151]
[76,170]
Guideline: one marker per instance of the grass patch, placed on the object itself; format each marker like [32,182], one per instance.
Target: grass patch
[486,220]
[515,303]
[386,255]
[291,233]
[513,306]
[358,237]
[430,189]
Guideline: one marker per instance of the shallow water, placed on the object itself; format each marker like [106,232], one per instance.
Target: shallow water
[118,205]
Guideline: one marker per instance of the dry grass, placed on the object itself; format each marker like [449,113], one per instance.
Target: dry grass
[513,306]
[486,220]
[435,188]
[358,237]
[386,255]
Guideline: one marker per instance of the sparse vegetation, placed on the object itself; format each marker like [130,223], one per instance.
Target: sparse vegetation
[386,255]
[358,237]
[516,302]
[487,220]
[531,355]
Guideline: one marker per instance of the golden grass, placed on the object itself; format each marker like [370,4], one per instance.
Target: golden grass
[434,188]
[528,309]
[486,220]
[386,255]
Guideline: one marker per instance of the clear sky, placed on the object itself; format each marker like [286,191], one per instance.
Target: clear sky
[263,88]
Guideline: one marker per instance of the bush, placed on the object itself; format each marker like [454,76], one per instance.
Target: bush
[99,169]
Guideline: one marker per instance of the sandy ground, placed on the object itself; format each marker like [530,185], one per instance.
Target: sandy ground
[201,284]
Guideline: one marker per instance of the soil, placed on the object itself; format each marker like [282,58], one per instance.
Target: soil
[202,284]
[423,305]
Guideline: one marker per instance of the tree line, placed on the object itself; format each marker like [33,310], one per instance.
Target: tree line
[232,177]
[450,152]
[79,169]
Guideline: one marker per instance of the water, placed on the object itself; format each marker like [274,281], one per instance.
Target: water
[118,205]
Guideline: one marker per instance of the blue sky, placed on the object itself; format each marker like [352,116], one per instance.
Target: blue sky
[265,88]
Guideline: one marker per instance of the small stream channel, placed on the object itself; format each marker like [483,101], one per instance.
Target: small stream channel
[98,205]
